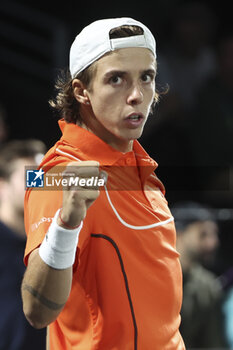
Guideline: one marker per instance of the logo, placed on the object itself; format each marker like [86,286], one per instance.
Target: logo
[59,179]
[35,178]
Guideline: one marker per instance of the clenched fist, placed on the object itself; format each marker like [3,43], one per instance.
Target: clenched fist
[79,196]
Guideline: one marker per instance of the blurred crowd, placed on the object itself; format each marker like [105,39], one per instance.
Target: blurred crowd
[15,332]
[190,135]
[190,132]
[206,318]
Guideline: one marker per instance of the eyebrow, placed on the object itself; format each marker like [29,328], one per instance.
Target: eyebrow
[121,72]
[112,72]
[149,71]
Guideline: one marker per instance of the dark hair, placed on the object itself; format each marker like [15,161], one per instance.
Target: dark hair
[188,212]
[18,149]
[64,102]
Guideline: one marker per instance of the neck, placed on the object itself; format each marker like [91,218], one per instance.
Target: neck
[185,259]
[91,124]
[12,218]
[186,263]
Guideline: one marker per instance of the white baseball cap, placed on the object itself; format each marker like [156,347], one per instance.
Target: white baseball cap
[94,41]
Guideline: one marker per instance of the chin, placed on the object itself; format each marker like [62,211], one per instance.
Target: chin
[136,135]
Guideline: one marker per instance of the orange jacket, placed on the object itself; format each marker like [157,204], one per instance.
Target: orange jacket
[127,285]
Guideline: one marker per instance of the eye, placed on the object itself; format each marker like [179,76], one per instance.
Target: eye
[147,78]
[115,80]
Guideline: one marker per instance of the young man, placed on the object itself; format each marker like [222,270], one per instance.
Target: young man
[105,273]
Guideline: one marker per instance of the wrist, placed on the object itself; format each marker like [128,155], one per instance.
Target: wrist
[65,223]
[58,249]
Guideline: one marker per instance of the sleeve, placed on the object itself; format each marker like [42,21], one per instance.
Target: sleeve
[40,207]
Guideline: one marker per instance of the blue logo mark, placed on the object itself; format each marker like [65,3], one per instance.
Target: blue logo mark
[35,178]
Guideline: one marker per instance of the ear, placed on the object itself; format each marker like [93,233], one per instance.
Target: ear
[80,92]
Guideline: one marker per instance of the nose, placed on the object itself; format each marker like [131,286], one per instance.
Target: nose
[135,95]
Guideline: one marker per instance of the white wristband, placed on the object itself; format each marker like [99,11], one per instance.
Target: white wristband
[59,246]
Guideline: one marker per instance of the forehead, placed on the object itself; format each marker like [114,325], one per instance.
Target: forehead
[127,59]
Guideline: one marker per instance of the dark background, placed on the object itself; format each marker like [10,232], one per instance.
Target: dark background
[35,37]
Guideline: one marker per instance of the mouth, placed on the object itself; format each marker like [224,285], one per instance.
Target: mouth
[134,119]
[135,116]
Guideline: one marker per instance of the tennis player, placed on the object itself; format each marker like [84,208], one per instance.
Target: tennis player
[102,269]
